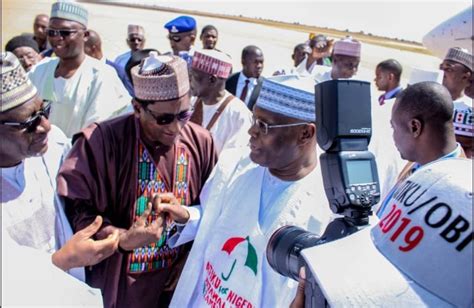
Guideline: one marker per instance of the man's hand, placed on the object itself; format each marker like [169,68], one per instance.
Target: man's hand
[298,301]
[168,203]
[141,233]
[82,250]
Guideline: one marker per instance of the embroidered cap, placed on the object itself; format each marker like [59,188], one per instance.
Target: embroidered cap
[71,11]
[347,47]
[418,255]
[160,78]
[181,24]
[460,55]
[212,62]
[419,75]
[16,86]
[463,122]
[289,95]
[135,29]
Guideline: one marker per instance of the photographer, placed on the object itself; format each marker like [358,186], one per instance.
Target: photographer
[423,131]
[419,254]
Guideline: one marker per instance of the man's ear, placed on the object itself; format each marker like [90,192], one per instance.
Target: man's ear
[212,79]
[136,107]
[307,133]
[86,35]
[467,76]
[416,127]
[391,76]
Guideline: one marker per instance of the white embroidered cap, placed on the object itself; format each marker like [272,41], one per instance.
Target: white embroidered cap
[212,62]
[70,10]
[289,95]
[135,29]
[419,254]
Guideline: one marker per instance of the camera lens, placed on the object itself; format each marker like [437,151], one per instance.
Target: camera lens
[284,247]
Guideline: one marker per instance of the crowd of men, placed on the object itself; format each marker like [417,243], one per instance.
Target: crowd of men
[156,180]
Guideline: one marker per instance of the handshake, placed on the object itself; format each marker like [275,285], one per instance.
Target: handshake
[82,250]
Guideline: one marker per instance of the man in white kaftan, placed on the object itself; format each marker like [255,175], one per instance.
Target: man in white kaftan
[224,115]
[83,90]
[345,63]
[243,203]
[34,225]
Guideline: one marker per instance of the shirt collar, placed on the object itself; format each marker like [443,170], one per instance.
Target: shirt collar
[457,152]
[392,93]
[15,174]
[242,79]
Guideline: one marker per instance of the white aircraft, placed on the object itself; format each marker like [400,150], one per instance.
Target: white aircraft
[454,32]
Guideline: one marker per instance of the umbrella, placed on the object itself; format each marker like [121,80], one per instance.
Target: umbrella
[251,260]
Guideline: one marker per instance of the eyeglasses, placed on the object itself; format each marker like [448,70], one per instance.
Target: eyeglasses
[174,38]
[264,127]
[34,121]
[168,118]
[61,32]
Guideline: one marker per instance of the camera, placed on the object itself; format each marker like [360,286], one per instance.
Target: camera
[349,170]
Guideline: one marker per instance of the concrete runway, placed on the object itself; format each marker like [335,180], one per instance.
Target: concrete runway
[277,44]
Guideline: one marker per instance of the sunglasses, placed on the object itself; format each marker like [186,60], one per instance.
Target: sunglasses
[61,32]
[174,38]
[135,39]
[34,121]
[264,127]
[168,118]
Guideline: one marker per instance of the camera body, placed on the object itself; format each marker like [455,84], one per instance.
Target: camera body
[350,178]
[344,128]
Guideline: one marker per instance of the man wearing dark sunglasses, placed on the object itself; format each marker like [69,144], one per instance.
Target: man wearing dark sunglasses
[117,166]
[82,90]
[182,34]
[136,42]
[248,197]
[32,215]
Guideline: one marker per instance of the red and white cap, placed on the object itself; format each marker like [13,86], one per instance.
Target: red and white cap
[347,47]
[212,62]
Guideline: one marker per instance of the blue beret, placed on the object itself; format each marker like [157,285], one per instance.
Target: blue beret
[181,24]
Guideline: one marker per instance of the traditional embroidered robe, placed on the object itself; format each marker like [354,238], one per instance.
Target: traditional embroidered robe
[109,172]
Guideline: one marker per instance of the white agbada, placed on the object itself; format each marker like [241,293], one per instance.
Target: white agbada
[31,280]
[32,213]
[242,204]
[231,129]
[91,94]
